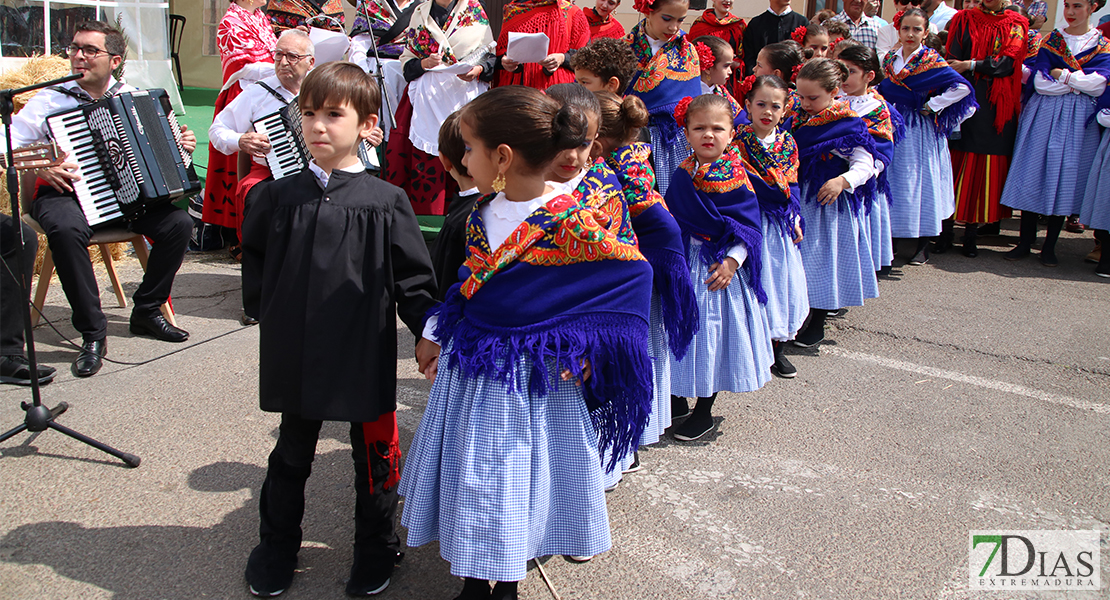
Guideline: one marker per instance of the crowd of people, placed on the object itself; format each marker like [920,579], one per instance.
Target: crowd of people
[632,221]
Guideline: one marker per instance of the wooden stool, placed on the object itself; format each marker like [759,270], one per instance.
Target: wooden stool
[101,239]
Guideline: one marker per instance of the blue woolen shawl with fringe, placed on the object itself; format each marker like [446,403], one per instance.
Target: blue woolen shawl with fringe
[715,204]
[564,289]
[835,128]
[660,241]
[925,76]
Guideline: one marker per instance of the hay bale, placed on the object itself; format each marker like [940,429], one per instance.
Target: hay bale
[37,69]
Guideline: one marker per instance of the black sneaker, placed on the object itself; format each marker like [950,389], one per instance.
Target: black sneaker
[635,466]
[694,428]
[267,575]
[680,408]
[810,337]
[783,368]
[1049,259]
[1017,252]
[1102,270]
[920,258]
[15,368]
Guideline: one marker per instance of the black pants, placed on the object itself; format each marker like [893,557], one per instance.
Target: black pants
[281,504]
[68,234]
[11,298]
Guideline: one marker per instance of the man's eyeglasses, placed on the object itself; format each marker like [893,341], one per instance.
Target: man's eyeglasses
[90,52]
[293,58]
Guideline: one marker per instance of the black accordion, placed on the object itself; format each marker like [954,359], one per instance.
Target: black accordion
[288,153]
[129,155]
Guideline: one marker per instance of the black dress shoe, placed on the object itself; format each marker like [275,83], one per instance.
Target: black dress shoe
[157,327]
[17,369]
[89,360]
[247,320]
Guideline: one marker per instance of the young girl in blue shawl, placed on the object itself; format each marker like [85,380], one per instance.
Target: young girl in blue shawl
[716,208]
[883,125]
[581,174]
[1068,78]
[715,58]
[771,159]
[932,99]
[667,71]
[783,60]
[1096,201]
[544,362]
[674,308]
[837,180]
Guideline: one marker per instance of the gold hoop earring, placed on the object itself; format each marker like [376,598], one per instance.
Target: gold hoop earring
[499,183]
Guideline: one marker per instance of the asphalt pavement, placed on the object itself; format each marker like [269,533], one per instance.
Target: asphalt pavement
[972,395]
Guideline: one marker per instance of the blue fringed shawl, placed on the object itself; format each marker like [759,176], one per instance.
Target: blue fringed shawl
[565,289]
[924,76]
[715,204]
[835,128]
[663,79]
[887,130]
[661,244]
[774,178]
[1054,54]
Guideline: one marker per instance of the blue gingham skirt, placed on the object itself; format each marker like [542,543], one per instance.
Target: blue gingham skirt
[1096,199]
[836,254]
[784,280]
[666,157]
[921,185]
[731,351]
[501,477]
[882,246]
[1052,155]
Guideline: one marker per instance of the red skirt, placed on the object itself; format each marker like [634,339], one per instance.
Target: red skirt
[979,179]
[222,176]
[421,175]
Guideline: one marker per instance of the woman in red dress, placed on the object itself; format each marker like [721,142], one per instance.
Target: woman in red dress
[246,43]
[601,20]
[566,28]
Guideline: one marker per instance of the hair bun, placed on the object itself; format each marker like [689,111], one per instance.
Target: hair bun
[634,112]
[569,127]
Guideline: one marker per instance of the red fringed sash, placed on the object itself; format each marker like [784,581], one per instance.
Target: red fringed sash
[997,36]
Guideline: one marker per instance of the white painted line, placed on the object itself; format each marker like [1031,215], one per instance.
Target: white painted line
[1000,386]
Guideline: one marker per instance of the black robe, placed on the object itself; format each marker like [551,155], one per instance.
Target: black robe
[768,28]
[449,253]
[327,272]
[977,133]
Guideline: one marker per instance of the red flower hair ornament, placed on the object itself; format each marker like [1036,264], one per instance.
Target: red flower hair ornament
[799,35]
[898,19]
[745,87]
[832,45]
[794,73]
[643,6]
[706,60]
[680,111]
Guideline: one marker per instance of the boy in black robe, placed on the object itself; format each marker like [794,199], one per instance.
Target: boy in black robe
[330,255]
[772,26]
[450,248]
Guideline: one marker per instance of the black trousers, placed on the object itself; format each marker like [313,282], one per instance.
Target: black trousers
[68,233]
[11,298]
[281,503]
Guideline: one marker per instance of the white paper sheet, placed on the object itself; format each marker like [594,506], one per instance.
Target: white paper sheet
[527,47]
[455,69]
[330,45]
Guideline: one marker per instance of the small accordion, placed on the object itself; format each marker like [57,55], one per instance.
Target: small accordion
[288,153]
[129,155]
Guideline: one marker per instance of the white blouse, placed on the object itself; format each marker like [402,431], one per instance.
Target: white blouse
[941,101]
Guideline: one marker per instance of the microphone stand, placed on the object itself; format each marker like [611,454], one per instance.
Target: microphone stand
[39,418]
[378,74]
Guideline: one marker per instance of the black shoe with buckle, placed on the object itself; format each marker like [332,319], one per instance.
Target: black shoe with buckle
[89,360]
[157,327]
[15,368]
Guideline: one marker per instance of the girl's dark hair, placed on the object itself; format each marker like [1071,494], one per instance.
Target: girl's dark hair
[451,145]
[828,73]
[709,102]
[770,81]
[717,45]
[936,42]
[913,11]
[838,29]
[864,58]
[621,118]
[576,94]
[784,56]
[843,45]
[813,29]
[534,125]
